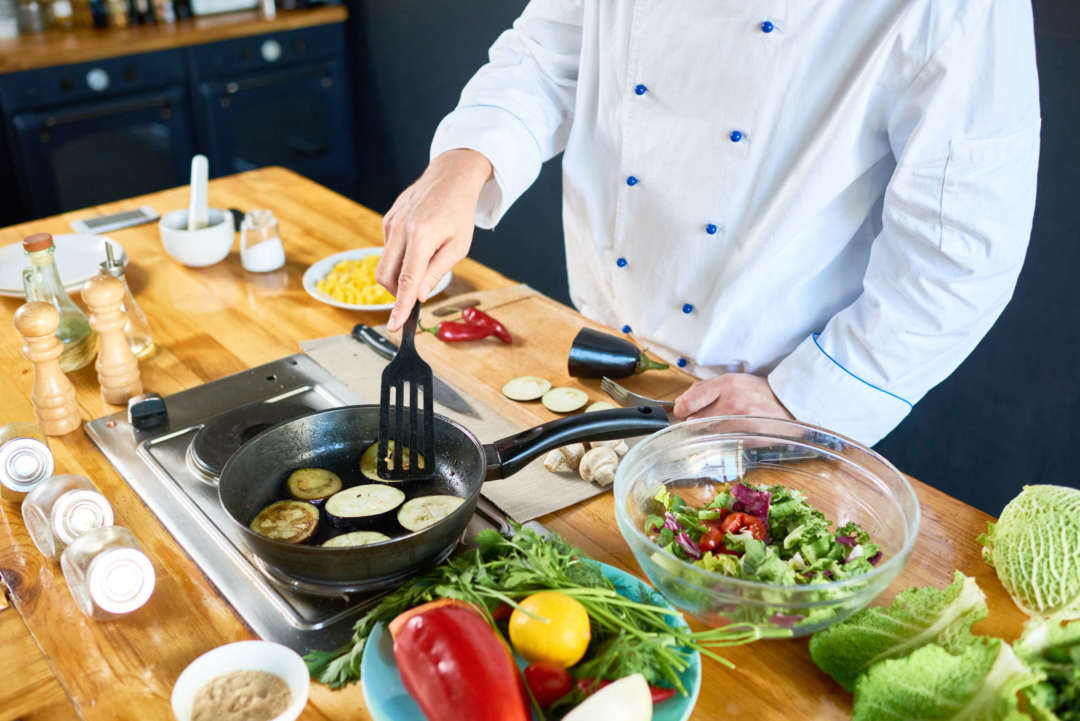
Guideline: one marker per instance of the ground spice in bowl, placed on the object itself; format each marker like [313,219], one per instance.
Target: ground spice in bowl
[241,696]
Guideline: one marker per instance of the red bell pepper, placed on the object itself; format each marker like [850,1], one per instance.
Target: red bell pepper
[589,686]
[451,660]
[475,316]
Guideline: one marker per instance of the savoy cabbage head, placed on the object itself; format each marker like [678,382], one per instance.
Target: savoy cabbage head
[1035,549]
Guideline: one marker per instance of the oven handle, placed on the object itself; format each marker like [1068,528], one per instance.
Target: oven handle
[105,111]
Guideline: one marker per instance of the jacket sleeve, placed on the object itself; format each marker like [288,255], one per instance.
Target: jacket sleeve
[517,109]
[955,227]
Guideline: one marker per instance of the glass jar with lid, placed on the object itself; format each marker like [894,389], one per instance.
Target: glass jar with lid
[41,281]
[107,573]
[25,460]
[62,508]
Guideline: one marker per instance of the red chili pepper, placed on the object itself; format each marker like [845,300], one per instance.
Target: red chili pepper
[589,686]
[452,332]
[451,661]
[475,316]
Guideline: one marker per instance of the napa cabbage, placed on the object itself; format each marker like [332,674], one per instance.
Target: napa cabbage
[1052,646]
[917,617]
[930,684]
[1035,549]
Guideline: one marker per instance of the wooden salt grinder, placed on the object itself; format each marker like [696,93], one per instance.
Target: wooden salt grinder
[52,395]
[117,368]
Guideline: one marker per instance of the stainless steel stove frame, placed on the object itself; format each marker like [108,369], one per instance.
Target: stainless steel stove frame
[156,466]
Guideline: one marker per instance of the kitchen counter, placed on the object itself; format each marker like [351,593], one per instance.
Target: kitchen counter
[219,320]
[27,52]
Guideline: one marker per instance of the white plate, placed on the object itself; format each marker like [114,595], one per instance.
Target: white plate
[318,271]
[78,258]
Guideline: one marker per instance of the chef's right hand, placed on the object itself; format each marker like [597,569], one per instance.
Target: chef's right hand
[430,227]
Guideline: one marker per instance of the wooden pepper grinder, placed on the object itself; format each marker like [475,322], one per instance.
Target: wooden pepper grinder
[117,368]
[53,395]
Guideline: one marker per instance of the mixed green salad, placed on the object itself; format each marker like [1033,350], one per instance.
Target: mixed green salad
[768,534]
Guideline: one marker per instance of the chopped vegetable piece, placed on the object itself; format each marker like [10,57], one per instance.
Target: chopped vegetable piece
[526,388]
[453,332]
[369,461]
[550,626]
[364,505]
[313,484]
[423,511]
[599,406]
[356,538]
[589,686]
[287,521]
[548,682]
[564,399]
[451,660]
[627,699]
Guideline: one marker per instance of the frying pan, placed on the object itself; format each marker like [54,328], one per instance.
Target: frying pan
[254,477]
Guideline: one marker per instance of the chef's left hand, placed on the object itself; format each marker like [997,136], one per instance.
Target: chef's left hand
[732,394]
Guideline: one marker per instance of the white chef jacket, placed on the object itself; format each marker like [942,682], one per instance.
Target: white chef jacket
[837,193]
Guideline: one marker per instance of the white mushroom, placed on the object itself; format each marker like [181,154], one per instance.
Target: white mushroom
[619,446]
[598,465]
[566,458]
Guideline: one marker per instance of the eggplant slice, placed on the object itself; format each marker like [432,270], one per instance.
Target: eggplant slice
[356,538]
[362,506]
[369,461]
[287,521]
[313,484]
[423,511]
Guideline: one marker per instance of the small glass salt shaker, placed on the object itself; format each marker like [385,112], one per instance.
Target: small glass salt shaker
[107,573]
[261,250]
[25,460]
[61,509]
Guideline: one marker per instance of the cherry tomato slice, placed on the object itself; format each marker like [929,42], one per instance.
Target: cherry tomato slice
[547,681]
[712,539]
[738,522]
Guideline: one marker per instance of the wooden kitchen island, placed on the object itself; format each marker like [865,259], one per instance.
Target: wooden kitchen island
[211,322]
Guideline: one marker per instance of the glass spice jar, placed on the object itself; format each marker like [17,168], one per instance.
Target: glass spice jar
[25,460]
[61,509]
[107,573]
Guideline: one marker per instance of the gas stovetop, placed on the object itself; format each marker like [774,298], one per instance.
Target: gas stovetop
[172,468]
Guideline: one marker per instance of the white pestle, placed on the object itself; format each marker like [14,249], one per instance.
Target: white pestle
[197,204]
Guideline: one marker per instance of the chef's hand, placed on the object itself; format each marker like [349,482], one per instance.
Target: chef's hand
[429,228]
[732,394]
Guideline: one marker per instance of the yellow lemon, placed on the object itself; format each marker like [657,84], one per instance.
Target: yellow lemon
[557,631]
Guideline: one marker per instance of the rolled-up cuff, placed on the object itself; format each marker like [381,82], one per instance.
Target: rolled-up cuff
[817,389]
[504,139]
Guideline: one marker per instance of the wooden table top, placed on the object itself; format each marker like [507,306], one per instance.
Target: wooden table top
[27,52]
[215,321]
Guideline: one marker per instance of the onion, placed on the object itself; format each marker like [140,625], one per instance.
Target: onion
[670,522]
[688,545]
[848,541]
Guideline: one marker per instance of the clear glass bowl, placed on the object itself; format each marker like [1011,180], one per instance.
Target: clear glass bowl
[842,479]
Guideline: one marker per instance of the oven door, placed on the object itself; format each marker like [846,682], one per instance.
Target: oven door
[297,117]
[83,155]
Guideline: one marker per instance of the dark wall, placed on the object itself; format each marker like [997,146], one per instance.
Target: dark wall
[419,54]
[1011,413]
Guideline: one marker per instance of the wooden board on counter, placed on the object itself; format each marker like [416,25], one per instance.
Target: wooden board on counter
[219,320]
[27,52]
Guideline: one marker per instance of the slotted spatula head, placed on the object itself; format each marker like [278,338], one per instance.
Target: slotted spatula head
[407,430]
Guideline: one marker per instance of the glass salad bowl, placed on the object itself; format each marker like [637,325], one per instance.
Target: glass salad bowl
[840,478]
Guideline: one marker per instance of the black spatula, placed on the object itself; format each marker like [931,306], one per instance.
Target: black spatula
[407,431]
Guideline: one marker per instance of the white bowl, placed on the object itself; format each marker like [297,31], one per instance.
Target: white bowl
[243,656]
[197,248]
[318,271]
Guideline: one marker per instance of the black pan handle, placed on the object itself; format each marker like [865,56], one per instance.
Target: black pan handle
[509,455]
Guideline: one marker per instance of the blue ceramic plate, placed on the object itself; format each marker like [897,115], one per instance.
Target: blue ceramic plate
[387,699]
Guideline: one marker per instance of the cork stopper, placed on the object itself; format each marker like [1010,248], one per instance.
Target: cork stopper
[37,241]
[36,319]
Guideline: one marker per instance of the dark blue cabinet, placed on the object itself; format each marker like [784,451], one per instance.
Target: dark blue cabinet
[84,134]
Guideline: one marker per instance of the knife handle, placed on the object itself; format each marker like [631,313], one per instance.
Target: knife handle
[377,342]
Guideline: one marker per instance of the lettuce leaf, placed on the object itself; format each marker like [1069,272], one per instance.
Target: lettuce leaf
[917,617]
[1053,647]
[931,684]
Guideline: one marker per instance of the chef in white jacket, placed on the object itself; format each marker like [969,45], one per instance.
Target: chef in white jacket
[819,208]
